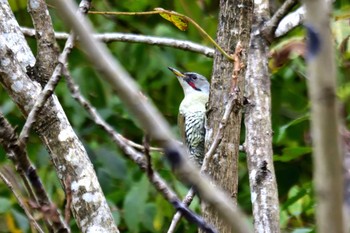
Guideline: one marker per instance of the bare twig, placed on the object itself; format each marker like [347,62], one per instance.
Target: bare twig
[144,162]
[21,203]
[47,48]
[9,140]
[133,38]
[68,191]
[146,151]
[176,218]
[162,11]
[270,27]
[290,21]
[140,147]
[52,83]
[150,119]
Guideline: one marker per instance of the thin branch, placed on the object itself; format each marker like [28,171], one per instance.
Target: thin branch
[290,21]
[68,192]
[140,147]
[144,162]
[53,81]
[21,203]
[47,48]
[18,155]
[182,17]
[133,38]
[146,141]
[270,27]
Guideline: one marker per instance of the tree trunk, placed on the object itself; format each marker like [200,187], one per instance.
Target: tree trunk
[258,142]
[234,26]
[73,166]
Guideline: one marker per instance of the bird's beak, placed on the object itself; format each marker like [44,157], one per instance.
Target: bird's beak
[176,72]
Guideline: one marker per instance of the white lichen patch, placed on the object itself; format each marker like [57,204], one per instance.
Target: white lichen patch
[208,134]
[34,4]
[15,42]
[17,86]
[257,2]
[253,196]
[61,169]
[234,31]
[71,158]
[5,61]
[96,229]
[91,197]
[65,134]
[84,182]
[253,174]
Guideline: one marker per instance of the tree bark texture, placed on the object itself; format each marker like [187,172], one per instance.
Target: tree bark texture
[258,142]
[69,157]
[234,26]
[328,180]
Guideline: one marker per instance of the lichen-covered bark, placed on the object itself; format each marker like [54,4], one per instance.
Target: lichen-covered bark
[71,161]
[234,25]
[47,48]
[258,142]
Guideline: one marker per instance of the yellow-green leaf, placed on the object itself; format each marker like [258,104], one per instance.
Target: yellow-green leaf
[179,21]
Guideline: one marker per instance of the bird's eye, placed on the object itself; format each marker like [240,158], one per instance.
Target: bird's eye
[194,77]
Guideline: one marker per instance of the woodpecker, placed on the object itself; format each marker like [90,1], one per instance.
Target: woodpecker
[192,112]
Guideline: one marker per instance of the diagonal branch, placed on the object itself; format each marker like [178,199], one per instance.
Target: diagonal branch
[270,27]
[17,153]
[150,119]
[53,81]
[21,203]
[66,150]
[290,21]
[47,48]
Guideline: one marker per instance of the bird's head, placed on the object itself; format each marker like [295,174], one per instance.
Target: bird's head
[191,82]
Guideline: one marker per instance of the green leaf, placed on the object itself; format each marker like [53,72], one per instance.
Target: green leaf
[112,164]
[302,230]
[21,220]
[179,21]
[5,205]
[18,4]
[283,129]
[292,153]
[148,216]
[116,216]
[135,204]
[294,195]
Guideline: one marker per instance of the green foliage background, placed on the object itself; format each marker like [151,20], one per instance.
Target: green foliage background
[136,206]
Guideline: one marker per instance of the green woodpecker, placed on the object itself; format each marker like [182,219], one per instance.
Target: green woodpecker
[192,112]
